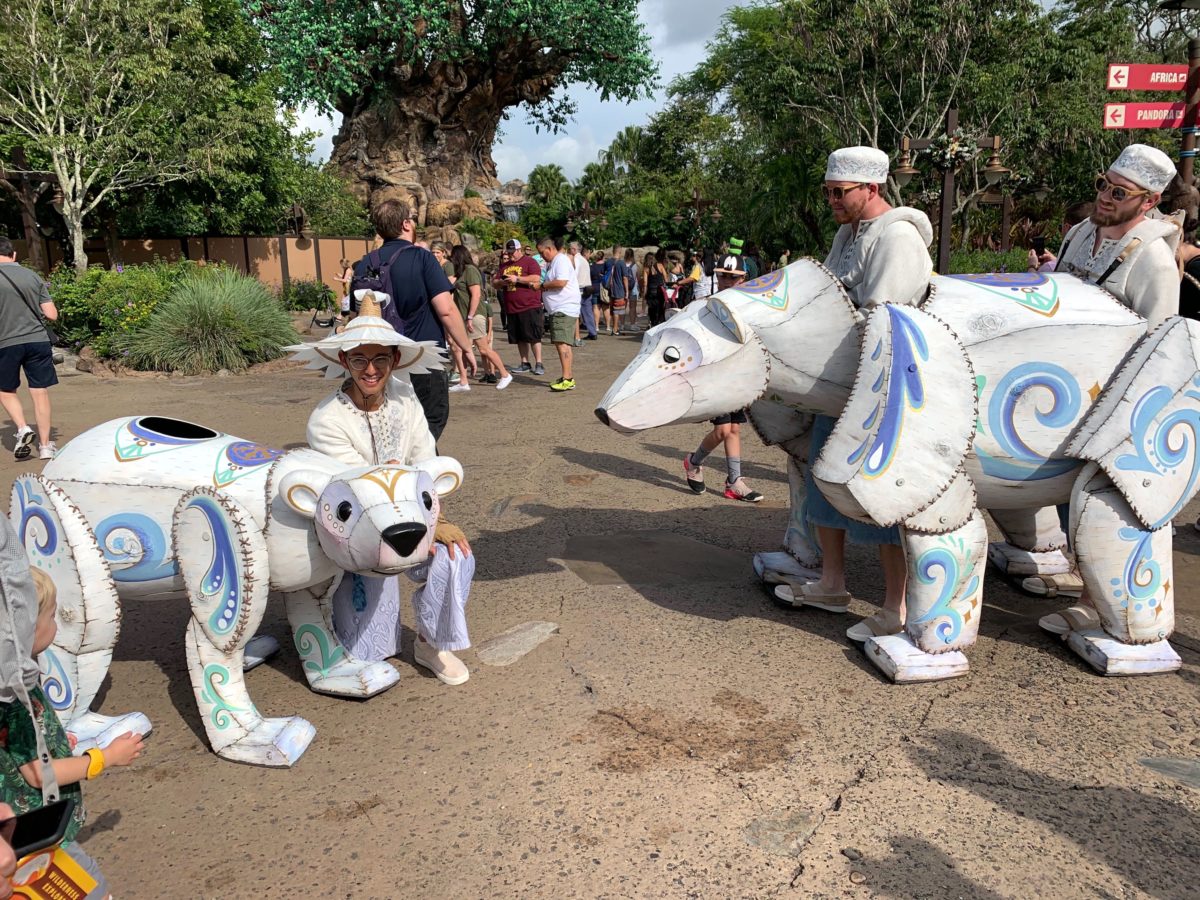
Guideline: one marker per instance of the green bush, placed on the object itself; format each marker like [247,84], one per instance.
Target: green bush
[101,306]
[469,193]
[967,262]
[218,320]
[302,294]
[492,235]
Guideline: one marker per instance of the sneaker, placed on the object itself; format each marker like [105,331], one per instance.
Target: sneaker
[445,665]
[523,367]
[47,451]
[460,389]
[591,337]
[694,475]
[455,378]
[503,382]
[490,378]
[23,449]
[739,490]
[539,369]
[563,384]
[579,343]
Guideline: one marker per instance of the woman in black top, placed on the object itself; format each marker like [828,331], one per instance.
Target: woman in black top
[656,278]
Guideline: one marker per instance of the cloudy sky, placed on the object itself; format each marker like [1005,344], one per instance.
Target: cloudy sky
[678,31]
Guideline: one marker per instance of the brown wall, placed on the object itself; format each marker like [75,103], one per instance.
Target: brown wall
[271,259]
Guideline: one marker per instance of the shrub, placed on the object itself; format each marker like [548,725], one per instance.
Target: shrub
[469,193]
[492,235]
[965,262]
[212,321]
[303,294]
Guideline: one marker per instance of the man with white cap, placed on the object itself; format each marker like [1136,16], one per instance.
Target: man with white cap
[376,418]
[880,254]
[1125,247]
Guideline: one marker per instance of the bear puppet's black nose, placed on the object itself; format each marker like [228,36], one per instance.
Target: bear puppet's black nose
[404,538]
[602,414]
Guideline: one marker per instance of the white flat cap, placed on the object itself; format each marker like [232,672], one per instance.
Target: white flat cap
[861,165]
[1147,167]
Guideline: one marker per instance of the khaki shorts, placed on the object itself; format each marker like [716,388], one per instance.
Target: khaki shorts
[562,329]
[477,328]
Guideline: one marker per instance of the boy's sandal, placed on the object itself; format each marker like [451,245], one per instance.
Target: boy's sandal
[1073,618]
[883,623]
[799,593]
[1065,584]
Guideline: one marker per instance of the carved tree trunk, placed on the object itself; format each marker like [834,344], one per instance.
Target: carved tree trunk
[430,136]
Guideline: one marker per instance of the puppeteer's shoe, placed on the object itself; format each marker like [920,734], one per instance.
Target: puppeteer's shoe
[883,623]
[445,665]
[24,446]
[693,475]
[739,490]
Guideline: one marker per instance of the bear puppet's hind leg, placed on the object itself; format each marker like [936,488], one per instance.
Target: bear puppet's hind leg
[223,557]
[800,559]
[58,540]
[944,599]
[328,666]
[1127,571]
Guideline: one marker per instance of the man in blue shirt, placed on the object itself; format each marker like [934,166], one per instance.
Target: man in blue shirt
[422,306]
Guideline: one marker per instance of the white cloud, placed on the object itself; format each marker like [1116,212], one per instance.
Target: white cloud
[308,119]
[511,162]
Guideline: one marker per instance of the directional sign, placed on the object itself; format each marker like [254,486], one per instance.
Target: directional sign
[1143,115]
[1146,77]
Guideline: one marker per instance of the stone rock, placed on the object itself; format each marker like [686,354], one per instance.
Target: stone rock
[1159,744]
[1185,771]
[223,373]
[471,243]
[782,835]
[441,212]
[87,360]
[509,646]
[851,854]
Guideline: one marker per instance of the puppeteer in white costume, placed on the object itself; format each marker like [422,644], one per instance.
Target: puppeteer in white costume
[1007,392]
[375,418]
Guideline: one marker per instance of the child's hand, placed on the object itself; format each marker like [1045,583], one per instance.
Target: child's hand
[123,750]
[72,741]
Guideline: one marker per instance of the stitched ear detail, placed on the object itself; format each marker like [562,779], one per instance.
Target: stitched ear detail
[302,488]
[446,472]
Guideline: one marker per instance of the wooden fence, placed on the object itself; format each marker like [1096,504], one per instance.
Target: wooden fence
[275,260]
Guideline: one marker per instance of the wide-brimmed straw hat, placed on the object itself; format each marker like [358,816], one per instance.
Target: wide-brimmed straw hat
[369,327]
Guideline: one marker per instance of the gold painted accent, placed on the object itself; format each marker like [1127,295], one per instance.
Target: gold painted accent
[1094,391]
[1167,587]
[387,478]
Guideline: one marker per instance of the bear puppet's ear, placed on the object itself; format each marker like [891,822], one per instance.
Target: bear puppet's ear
[302,488]
[445,471]
[729,319]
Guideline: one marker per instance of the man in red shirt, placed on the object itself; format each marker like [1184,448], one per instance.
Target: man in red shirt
[521,280]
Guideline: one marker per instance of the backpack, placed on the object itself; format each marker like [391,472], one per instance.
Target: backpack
[376,276]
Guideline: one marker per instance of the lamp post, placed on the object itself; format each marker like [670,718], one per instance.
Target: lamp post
[1191,107]
[583,217]
[994,172]
[694,210]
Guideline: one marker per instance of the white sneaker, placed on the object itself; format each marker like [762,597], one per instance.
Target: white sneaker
[445,665]
[47,451]
[23,448]
[503,382]
[460,388]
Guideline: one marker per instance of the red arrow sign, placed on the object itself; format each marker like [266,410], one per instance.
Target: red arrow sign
[1146,77]
[1143,115]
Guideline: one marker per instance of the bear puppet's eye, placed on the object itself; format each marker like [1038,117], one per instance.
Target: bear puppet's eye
[427,500]
[671,355]
[344,509]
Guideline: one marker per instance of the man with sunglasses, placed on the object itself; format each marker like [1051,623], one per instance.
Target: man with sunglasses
[880,254]
[1125,246]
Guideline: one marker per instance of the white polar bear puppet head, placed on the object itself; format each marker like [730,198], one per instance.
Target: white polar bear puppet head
[374,520]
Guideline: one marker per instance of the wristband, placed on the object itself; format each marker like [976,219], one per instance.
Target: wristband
[96,766]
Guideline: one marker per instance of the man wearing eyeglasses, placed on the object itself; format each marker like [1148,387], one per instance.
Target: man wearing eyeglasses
[880,254]
[1126,247]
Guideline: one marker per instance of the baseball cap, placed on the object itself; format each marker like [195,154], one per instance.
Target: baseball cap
[513,244]
[731,265]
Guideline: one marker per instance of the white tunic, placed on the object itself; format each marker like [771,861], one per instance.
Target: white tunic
[886,259]
[397,430]
[1147,280]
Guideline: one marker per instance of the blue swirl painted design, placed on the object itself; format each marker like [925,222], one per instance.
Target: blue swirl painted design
[905,392]
[954,574]
[1152,450]
[220,583]
[248,453]
[33,509]
[56,682]
[1142,579]
[136,548]
[1017,461]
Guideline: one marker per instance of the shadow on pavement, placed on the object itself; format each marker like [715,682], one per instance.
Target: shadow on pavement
[1149,840]
[918,870]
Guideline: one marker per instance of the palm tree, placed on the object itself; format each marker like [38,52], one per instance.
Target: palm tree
[597,184]
[625,150]
[547,183]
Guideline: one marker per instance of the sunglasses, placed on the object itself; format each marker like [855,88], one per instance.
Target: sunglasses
[1119,194]
[360,363]
[837,193]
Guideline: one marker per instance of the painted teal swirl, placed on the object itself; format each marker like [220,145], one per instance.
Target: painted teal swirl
[221,581]
[55,681]
[137,548]
[953,576]
[33,509]
[1153,453]
[1143,576]
[216,676]
[309,639]
[905,391]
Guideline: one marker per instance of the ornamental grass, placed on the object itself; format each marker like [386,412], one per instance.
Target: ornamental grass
[211,321]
